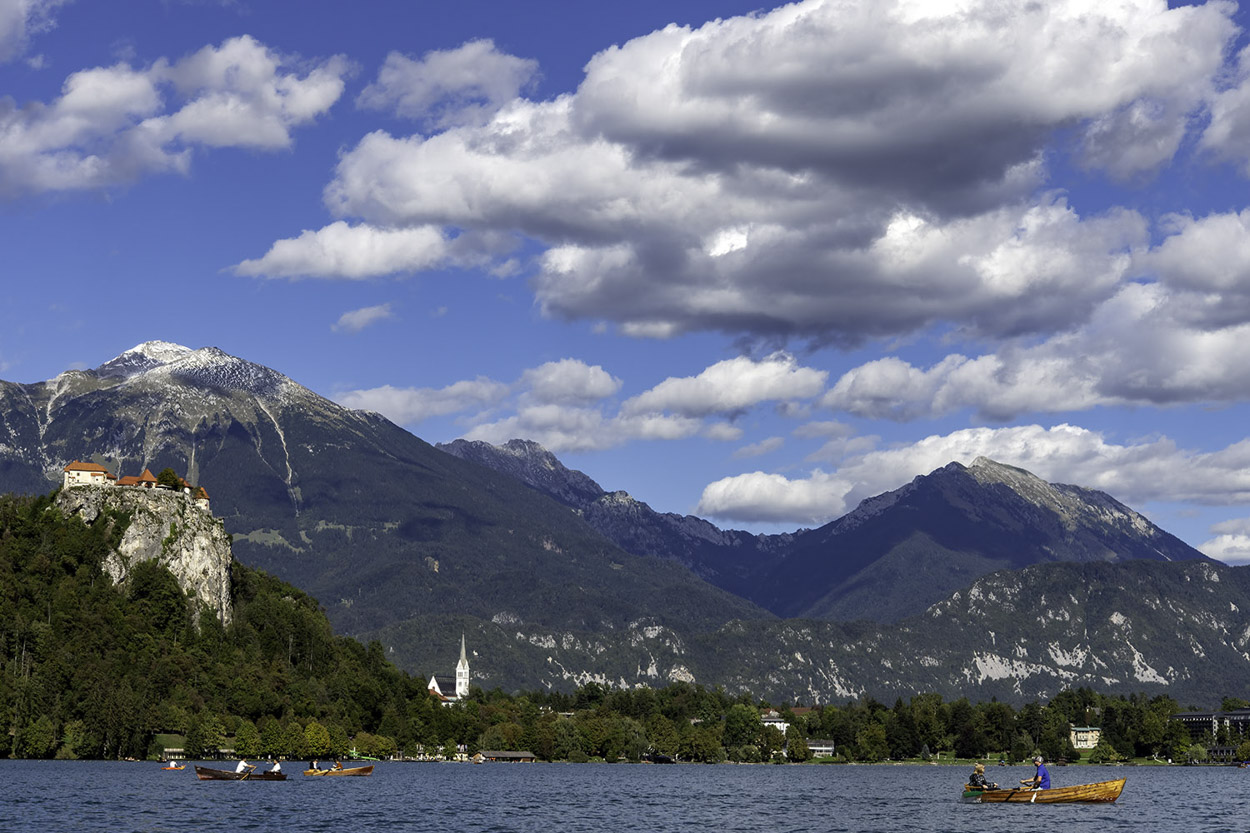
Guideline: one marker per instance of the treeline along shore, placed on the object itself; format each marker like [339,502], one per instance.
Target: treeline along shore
[95,670]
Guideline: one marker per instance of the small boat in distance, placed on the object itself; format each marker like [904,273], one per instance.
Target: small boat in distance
[175,766]
[356,770]
[1103,792]
[206,774]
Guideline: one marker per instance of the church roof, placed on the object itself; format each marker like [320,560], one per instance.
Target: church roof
[444,684]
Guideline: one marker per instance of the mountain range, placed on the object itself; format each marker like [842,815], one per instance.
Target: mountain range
[892,557]
[556,581]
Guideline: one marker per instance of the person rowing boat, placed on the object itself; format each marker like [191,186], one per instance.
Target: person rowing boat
[1041,778]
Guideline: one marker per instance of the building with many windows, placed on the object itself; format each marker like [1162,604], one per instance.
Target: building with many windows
[1084,737]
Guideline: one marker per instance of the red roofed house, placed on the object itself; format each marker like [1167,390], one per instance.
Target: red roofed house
[146,480]
[78,473]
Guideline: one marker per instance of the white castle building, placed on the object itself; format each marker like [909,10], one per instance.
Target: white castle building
[452,689]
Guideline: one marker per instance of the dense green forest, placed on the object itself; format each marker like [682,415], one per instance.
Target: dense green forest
[91,670]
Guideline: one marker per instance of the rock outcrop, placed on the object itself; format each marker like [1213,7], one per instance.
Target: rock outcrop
[167,527]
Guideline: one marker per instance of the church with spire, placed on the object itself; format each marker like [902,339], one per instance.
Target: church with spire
[449,689]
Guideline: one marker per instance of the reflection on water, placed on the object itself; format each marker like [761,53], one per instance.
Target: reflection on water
[552,798]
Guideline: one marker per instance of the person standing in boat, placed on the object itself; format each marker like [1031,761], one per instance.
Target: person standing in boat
[976,781]
[1040,779]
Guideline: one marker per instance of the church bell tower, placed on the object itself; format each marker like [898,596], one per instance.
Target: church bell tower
[462,673]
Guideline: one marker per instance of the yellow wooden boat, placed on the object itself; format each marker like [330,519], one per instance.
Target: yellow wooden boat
[355,770]
[1103,792]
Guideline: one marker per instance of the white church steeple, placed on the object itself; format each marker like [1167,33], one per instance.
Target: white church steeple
[462,672]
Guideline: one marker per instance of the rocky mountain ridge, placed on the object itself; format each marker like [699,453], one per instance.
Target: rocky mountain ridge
[891,557]
[378,525]
[726,558]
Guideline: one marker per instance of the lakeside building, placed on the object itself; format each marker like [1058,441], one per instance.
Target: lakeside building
[1235,724]
[1084,737]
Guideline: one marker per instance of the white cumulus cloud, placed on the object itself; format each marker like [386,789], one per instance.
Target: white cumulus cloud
[407,406]
[111,125]
[830,170]
[19,19]
[569,381]
[352,252]
[730,386]
[466,85]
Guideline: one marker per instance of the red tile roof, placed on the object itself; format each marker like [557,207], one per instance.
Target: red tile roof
[78,465]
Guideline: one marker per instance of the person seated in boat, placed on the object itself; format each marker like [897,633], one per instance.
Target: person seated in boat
[976,781]
[313,764]
[277,766]
[244,766]
[1040,779]
[338,765]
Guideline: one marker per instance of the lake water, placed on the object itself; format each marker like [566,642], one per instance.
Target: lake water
[553,798]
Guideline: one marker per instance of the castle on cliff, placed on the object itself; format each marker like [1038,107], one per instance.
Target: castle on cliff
[79,473]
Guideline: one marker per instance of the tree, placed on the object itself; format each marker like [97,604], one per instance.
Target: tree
[662,735]
[1104,753]
[316,740]
[796,748]
[205,736]
[273,739]
[742,725]
[75,740]
[247,741]
[702,745]
[871,743]
[1022,747]
[1176,740]
[169,479]
[502,736]
[38,739]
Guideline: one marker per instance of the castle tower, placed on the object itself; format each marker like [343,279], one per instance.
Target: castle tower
[462,673]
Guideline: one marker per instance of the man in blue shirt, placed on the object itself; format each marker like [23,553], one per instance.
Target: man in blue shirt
[1041,780]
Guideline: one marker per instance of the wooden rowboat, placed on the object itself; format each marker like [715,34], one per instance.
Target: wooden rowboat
[206,774]
[1103,792]
[356,770]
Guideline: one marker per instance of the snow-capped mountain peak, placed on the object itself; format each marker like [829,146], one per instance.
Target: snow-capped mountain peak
[143,357]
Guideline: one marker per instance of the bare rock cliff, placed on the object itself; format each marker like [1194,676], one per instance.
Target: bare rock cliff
[167,527]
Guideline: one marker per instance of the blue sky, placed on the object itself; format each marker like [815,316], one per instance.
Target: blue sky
[752,262]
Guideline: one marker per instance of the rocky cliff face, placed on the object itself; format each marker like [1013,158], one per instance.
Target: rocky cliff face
[1175,628]
[167,527]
